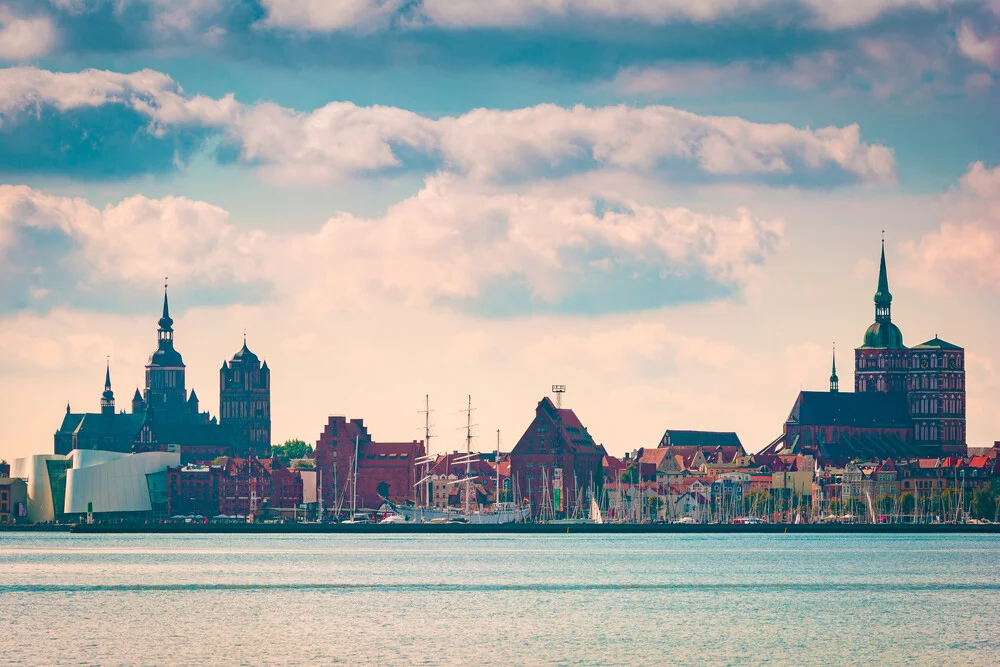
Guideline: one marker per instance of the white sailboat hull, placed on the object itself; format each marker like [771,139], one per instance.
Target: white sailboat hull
[509,514]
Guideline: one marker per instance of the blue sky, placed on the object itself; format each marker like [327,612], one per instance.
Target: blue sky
[673,207]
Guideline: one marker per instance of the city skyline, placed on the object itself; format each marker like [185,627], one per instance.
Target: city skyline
[392,201]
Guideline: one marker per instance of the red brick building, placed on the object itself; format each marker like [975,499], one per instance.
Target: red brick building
[193,490]
[556,462]
[385,469]
[252,486]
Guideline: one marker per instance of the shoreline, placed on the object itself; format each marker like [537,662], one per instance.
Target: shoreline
[513,529]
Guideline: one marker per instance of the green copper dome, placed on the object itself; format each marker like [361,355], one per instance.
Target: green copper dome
[884,335]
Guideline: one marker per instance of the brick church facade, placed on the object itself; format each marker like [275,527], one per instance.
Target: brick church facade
[165,416]
[907,401]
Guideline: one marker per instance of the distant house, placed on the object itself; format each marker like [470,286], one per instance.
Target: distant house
[556,463]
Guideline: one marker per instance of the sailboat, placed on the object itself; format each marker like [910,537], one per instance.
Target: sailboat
[498,512]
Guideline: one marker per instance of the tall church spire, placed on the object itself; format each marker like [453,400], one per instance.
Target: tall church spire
[166,330]
[883,298]
[108,397]
[834,380]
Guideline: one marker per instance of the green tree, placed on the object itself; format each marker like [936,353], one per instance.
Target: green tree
[907,503]
[984,504]
[291,449]
[885,504]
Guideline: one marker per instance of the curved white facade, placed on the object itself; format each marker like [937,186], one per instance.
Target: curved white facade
[111,481]
[33,470]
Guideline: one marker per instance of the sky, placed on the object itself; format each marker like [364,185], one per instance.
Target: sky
[672,207]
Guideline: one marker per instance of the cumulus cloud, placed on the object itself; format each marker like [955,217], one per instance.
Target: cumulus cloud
[985,51]
[963,252]
[58,249]
[24,38]
[453,244]
[449,245]
[323,15]
[545,140]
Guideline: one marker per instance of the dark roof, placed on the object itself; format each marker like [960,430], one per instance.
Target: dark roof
[245,355]
[96,424]
[166,356]
[937,344]
[706,439]
[864,447]
[867,409]
[192,434]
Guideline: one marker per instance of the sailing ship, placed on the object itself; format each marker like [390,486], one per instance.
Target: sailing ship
[470,511]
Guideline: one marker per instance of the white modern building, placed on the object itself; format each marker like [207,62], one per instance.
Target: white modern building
[98,481]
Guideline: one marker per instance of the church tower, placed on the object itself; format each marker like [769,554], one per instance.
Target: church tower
[165,392]
[245,400]
[108,397]
[881,363]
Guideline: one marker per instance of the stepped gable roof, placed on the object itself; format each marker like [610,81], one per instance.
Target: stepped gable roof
[861,410]
[936,344]
[728,440]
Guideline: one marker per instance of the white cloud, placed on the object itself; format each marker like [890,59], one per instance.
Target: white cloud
[985,51]
[149,92]
[450,240]
[135,242]
[963,252]
[342,138]
[24,38]
[324,15]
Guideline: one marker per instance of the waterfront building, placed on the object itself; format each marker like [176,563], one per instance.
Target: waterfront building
[13,500]
[165,417]
[556,463]
[384,469]
[109,484]
[254,488]
[907,402]
[444,475]
[192,490]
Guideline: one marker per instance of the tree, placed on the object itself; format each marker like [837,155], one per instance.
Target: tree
[292,449]
[383,489]
[907,503]
[885,504]
[984,504]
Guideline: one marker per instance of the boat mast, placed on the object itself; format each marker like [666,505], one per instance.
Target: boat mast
[427,447]
[496,499]
[468,454]
[354,484]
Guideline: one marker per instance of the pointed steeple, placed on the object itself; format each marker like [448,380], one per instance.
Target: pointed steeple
[108,397]
[834,380]
[883,298]
[166,323]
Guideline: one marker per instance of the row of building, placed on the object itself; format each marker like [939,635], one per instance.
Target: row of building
[908,405]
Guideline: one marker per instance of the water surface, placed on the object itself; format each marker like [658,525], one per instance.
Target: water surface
[518,599]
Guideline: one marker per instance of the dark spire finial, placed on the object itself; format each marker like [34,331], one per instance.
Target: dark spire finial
[883,298]
[834,380]
[166,323]
[107,374]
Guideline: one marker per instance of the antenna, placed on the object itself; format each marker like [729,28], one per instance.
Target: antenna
[559,390]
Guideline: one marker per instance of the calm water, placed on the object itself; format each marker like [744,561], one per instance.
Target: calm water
[779,599]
